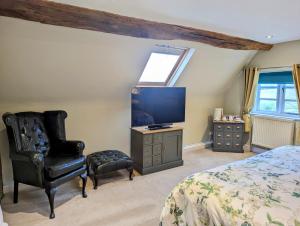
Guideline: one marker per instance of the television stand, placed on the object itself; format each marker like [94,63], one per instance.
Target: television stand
[156,150]
[159,126]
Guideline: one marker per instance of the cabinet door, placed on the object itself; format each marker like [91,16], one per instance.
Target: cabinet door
[172,146]
[157,149]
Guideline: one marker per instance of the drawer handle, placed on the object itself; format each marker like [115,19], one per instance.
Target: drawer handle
[228,135]
[228,127]
[237,127]
[227,144]
[218,143]
[237,136]
[237,145]
[219,127]
[219,135]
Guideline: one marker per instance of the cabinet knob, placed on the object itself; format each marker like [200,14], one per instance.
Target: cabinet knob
[237,136]
[219,135]
[237,145]
[228,127]
[219,127]
[237,127]
[218,143]
[227,144]
[228,135]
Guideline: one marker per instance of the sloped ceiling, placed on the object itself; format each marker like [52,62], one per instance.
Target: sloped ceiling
[253,19]
[63,63]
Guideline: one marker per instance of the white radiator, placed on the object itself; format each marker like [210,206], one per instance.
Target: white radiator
[272,132]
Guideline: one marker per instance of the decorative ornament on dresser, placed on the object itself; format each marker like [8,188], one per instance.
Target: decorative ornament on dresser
[218,113]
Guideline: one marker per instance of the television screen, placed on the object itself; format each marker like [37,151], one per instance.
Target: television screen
[157,105]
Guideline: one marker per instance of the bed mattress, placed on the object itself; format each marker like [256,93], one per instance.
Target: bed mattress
[258,191]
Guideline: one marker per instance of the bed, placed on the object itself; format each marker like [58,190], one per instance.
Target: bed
[258,191]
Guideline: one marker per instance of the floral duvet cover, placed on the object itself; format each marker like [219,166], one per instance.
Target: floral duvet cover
[258,191]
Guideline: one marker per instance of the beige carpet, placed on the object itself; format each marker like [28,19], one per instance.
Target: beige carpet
[117,201]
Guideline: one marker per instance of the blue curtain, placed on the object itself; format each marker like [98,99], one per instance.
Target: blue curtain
[282,77]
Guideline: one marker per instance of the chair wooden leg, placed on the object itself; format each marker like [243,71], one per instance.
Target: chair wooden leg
[16,191]
[84,179]
[95,182]
[51,193]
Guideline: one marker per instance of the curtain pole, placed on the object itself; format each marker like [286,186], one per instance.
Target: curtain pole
[263,68]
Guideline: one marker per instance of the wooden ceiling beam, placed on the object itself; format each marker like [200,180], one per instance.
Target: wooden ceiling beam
[48,12]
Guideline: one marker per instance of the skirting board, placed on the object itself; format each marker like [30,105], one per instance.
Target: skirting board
[197,146]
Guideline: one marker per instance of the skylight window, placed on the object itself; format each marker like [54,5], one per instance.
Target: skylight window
[159,67]
[164,66]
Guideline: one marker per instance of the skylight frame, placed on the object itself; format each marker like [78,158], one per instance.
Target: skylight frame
[184,56]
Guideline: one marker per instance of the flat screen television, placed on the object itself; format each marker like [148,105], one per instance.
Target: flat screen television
[157,106]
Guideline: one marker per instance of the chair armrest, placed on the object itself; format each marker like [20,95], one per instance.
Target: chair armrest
[70,147]
[33,171]
[37,159]
[34,157]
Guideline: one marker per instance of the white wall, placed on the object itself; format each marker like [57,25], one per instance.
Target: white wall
[90,75]
[234,96]
[285,54]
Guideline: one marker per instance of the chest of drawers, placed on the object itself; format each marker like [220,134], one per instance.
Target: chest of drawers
[228,136]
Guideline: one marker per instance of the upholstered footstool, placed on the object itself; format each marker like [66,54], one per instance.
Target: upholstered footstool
[107,161]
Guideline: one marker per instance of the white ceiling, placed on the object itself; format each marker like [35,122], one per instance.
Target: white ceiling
[254,19]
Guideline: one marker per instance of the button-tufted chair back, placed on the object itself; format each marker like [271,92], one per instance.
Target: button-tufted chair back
[33,134]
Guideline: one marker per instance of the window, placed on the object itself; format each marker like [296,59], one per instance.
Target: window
[276,94]
[159,67]
[164,66]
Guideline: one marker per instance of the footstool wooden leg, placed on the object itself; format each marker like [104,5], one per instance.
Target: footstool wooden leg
[130,173]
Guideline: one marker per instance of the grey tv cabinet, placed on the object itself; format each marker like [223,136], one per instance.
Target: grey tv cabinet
[156,150]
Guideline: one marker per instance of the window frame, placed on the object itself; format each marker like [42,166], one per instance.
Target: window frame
[184,56]
[258,99]
[280,101]
[284,100]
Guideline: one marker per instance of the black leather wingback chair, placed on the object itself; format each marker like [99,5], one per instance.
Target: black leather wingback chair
[40,154]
